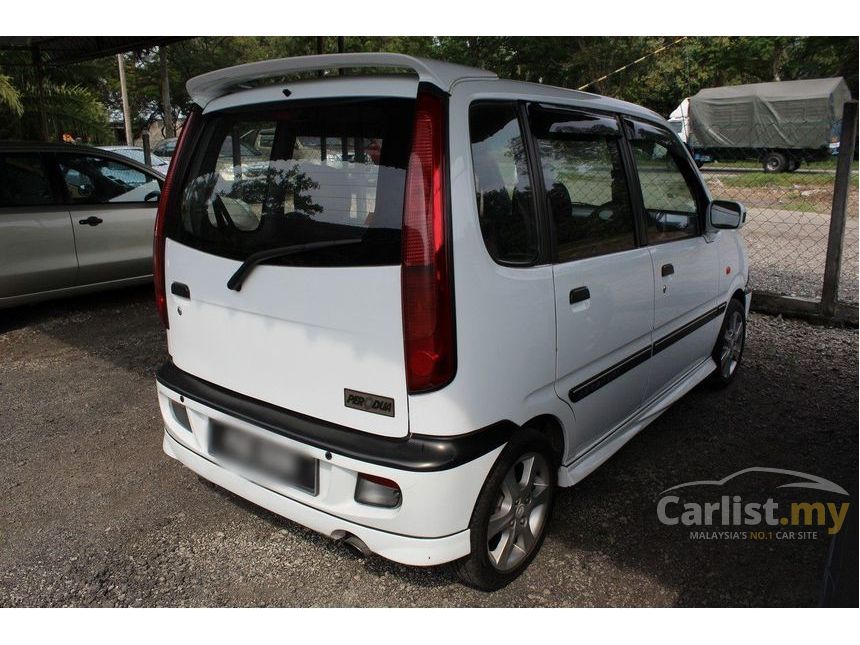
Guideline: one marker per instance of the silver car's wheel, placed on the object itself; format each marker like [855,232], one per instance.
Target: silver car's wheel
[521,511]
[733,344]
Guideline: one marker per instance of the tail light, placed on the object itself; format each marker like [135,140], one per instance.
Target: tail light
[167,202]
[428,323]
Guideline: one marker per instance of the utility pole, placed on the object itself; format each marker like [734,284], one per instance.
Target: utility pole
[129,141]
[841,188]
[165,94]
[36,53]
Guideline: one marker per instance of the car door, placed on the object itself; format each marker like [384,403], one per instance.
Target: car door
[684,260]
[604,285]
[112,205]
[37,245]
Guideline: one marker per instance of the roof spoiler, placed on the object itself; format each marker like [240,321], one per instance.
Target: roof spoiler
[205,88]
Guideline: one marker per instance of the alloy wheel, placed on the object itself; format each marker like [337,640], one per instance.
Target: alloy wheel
[733,344]
[521,510]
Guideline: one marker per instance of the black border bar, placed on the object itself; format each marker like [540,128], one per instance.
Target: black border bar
[422,453]
[608,375]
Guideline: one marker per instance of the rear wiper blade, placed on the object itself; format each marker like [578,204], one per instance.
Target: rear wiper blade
[236,280]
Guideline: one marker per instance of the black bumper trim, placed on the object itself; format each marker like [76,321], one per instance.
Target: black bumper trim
[421,453]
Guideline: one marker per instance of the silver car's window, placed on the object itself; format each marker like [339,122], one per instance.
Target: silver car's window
[23,180]
[100,180]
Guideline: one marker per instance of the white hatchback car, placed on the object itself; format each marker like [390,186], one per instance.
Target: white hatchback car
[485,291]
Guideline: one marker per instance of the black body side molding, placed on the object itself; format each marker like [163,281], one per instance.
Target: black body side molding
[608,375]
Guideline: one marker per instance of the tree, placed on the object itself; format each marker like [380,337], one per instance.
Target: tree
[9,96]
[660,81]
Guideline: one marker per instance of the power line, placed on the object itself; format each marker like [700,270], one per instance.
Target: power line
[638,60]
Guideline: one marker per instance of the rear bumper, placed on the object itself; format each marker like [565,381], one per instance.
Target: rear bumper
[438,487]
[400,548]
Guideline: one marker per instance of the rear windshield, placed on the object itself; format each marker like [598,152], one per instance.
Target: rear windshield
[328,175]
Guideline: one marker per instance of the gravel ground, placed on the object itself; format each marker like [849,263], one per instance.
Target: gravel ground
[93,513]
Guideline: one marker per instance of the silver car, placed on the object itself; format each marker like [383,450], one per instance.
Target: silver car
[137,154]
[73,219]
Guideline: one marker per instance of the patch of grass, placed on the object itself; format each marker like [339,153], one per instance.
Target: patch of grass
[773,180]
[827,164]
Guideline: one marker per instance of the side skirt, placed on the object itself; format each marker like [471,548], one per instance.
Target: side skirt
[584,465]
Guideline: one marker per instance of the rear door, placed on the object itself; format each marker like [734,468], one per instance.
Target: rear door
[112,205]
[604,286]
[37,245]
[315,326]
[684,260]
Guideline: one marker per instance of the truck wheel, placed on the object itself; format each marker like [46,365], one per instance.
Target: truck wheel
[510,518]
[774,162]
[793,164]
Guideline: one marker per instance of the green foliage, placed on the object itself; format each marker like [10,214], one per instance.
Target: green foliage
[9,96]
[70,108]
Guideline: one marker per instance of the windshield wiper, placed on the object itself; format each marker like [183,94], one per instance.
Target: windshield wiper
[236,280]
[244,270]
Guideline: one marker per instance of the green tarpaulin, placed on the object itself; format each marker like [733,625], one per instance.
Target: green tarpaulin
[786,114]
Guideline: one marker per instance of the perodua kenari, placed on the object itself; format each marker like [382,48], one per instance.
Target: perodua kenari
[403,308]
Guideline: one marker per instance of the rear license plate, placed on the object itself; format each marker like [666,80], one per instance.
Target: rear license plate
[261,459]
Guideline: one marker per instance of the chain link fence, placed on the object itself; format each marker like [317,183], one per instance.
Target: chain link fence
[789,220]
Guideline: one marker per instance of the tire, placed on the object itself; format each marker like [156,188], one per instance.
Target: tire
[793,164]
[519,505]
[774,162]
[729,348]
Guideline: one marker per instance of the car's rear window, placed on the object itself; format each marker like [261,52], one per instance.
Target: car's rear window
[329,175]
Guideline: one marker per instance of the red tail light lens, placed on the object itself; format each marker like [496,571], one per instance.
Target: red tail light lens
[427,292]
[168,202]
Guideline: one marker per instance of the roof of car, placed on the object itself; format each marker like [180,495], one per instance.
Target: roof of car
[207,87]
[213,85]
[41,146]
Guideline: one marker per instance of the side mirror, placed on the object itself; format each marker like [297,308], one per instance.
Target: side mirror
[154,195]
[727,215]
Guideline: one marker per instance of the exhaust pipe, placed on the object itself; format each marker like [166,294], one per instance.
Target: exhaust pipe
[354,543]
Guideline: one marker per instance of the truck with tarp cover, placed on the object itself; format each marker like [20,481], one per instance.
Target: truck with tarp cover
[781,124]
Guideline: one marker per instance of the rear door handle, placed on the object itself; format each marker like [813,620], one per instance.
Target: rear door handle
[180,289]
[667,269]
[92,220]
[579,294]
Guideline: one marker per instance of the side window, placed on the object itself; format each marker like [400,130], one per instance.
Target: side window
[587,191]
[23,181]
[502,186]
[99,180]
[671,207]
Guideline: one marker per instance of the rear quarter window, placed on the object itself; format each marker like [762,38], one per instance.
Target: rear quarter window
[329,174]
[23,180]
